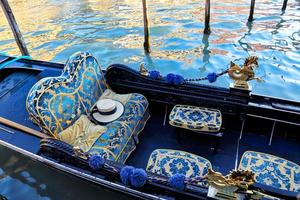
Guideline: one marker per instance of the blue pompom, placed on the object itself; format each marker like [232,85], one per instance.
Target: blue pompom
[212,77]
[96,162]
[177,181]
[138,178]
[174,79]
[125,174]
[178,80]
[170,78]
[154,74]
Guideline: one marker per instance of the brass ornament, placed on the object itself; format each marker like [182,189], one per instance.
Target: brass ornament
[143,70]
[235,181]
[240,75]
[78,152]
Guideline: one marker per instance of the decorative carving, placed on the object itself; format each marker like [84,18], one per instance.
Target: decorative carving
[79,153]
[241,75]
[143,70]
[123,79]
[235,181]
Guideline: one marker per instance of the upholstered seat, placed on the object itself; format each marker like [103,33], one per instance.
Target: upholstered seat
[272,170]
[196,118]
[61,106]
[168,162]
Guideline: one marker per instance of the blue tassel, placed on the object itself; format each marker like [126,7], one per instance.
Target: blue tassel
[170,78]
[212,77]
[177,181]
[174,79]
[138,178]
[125,174]
[96,162]
[178,80]
[154,74]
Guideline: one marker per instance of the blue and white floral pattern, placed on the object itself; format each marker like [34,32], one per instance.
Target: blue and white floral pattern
[119,140]
[196,118]
[272,170]
[56,103]
[168,162]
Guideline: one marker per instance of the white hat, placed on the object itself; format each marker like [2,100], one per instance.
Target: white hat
[107,110]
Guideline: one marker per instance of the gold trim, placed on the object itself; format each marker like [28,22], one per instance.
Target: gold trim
[137,135]
[132,133]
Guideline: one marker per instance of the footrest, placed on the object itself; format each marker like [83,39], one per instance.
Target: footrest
[196,118]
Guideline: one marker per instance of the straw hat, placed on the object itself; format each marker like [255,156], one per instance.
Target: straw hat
[107,110]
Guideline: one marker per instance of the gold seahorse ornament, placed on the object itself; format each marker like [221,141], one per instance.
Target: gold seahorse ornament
[241,75]
[230,184]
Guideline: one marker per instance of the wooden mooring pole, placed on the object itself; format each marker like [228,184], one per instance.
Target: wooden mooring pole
[284,5]
[207,17]
[146,28]
[250,19]
[14,27]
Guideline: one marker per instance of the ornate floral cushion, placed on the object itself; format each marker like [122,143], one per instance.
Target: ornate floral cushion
[196,118]
[54,103]
[116,140]
[119,140]
[272,170]
[60,105]
[169,162]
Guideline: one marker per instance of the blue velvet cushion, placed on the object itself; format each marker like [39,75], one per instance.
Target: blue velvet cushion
[169,162]
[272,170]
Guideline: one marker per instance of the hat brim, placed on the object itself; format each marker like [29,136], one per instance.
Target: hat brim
[104,119]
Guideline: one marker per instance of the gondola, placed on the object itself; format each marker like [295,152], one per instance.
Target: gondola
[161,139]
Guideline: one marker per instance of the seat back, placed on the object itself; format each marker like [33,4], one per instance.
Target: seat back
[272,170]
[54,103]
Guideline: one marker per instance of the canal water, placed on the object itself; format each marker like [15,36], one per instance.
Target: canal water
[113,31]
[22,178]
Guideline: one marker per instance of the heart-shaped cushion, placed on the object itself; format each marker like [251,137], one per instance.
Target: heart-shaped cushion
[54,103]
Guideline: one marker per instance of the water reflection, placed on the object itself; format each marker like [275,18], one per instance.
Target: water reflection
[22,178]
[205,49]
[243,43]
[113,31]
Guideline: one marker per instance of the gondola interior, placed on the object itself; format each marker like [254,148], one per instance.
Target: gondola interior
[240,130]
